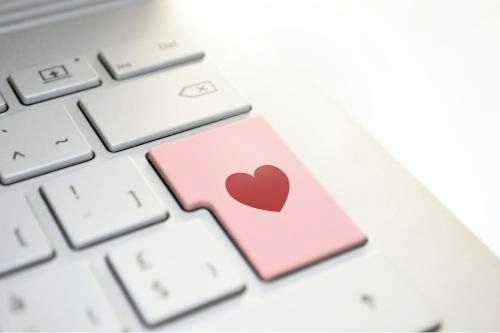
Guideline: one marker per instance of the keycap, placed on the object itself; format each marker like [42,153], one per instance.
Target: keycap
[66,299]
[38,141]
[22,241]
[55,79]
[272,207]
[154,107]
[102,202]
[3,105]
[362,295]
[146,55]
[174,272]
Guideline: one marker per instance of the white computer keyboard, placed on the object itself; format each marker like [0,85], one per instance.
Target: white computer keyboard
[169,274]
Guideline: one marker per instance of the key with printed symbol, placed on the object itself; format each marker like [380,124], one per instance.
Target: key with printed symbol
[272,207]
[102,202]
[75,297]
[38,141]
[23,241]
[143,56]
[42,82]
[174,272]
[161,105]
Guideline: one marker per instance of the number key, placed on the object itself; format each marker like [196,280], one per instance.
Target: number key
[175,272]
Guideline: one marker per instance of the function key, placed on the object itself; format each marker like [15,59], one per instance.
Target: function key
[55,79]
[175,272]
[142,56]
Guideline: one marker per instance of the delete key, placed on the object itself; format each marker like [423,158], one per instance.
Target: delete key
[272,207]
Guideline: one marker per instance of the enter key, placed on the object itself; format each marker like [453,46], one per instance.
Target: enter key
[276,212]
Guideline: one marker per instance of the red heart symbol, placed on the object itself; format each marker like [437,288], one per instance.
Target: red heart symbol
[267,189]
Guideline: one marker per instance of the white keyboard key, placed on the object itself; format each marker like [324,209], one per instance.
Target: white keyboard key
[22,241]
[63,300]
[39,141]
[103,201]
[174,272]
[139,57]
[46,81]
[3,105]
[161,105]
[362,295]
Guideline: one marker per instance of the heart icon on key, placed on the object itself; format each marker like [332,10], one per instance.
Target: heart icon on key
[267,189]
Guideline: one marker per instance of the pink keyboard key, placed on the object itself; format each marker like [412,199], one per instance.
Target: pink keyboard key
[277,213]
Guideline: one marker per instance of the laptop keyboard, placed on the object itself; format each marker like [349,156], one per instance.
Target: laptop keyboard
[257,189]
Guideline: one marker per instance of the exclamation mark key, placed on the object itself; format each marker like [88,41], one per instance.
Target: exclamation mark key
[103,201]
